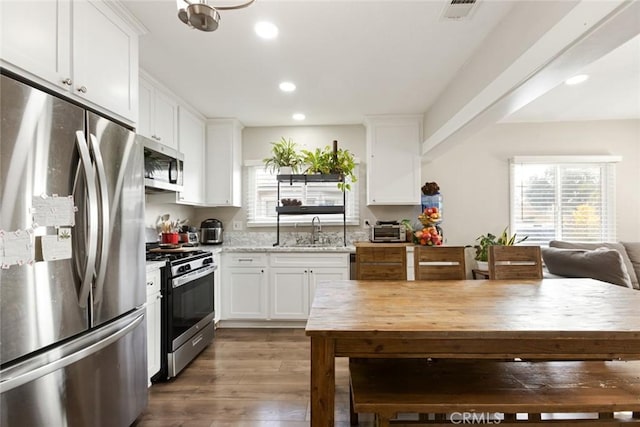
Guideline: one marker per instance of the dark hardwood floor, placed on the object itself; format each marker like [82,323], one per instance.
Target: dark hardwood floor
[246,378]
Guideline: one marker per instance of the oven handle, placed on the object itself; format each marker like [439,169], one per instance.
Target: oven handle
[186,278]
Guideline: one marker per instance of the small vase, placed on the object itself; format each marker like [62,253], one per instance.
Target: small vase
[285,170]
[482,265]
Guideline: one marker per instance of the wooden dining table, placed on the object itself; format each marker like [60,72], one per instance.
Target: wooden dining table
[551,319]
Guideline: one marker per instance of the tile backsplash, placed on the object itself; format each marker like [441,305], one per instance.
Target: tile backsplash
[268,238]
[154,210]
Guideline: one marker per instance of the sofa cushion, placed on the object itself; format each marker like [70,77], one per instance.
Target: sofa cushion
[633,251]
[617,246]
[601,264]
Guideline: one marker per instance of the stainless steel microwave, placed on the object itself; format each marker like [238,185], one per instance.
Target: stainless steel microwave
[162,166]
[388,233]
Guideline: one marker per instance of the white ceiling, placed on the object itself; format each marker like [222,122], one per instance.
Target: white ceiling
[349,59]
[611,92]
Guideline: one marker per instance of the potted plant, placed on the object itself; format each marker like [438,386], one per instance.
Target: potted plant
[486,240]
[331,161]
[285,158]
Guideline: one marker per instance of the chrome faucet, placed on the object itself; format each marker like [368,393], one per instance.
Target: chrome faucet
[315,229]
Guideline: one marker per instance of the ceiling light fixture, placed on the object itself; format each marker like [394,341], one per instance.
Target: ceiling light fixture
[299,116]
[287,87]
[202,16]
[577,79]
[266,30]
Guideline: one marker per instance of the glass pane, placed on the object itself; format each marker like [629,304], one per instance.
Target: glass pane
[534,203]
[581,201]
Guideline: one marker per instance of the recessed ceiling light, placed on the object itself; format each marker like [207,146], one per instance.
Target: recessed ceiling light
[299,116]
[266,30]
[577,79]
[287,87]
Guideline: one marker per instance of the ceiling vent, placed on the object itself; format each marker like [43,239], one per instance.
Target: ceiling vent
[457,10]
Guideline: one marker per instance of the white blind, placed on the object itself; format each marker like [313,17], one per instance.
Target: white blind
[262,198]
[563,200]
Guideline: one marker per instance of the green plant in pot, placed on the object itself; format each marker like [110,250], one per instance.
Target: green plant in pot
[284,154]
[486,240]
[331,161]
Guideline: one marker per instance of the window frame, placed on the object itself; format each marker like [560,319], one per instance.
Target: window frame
[253,220]
[563,163]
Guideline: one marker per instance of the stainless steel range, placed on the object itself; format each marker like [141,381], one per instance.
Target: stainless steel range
[187,308]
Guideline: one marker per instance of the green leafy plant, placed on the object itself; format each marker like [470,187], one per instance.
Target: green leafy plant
[328,161]
[284,154]
[486,240]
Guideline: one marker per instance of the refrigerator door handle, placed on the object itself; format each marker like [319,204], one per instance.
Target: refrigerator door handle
[105,236]
[92,232]
[64,356]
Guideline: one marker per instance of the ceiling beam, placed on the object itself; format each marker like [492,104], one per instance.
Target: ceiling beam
[585,33]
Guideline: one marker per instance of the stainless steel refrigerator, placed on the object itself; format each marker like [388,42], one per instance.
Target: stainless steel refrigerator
[73,331]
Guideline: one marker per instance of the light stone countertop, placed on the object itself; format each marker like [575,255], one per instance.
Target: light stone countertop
[301,249]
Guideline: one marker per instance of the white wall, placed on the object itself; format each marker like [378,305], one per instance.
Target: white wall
[156,205]
[474,175]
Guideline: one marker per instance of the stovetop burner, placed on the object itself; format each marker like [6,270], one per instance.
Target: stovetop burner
[173,256]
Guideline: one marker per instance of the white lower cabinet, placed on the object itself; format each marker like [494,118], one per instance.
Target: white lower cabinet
[319,274]
[294,277]
[276,286]
[289,293]
[244,286]
[154,298]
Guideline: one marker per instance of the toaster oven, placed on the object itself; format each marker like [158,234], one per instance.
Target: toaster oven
[388,233]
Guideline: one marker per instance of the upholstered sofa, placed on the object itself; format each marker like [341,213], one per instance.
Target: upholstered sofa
[617,263]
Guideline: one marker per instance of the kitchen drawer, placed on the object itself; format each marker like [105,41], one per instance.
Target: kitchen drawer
[382,254]
[307,260]
[241,259]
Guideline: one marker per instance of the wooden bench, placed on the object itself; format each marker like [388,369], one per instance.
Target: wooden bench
[387,387]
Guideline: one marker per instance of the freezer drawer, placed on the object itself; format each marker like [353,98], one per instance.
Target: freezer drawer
[96,380]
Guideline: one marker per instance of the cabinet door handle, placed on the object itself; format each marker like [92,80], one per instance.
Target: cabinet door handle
[159,296]
[67,81]
[261,271]
[82,89]
[149,283]
[245,259]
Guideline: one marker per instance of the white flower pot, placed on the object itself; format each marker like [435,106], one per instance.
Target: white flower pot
[483,265]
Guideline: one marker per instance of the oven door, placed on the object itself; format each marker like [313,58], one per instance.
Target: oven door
[191,305]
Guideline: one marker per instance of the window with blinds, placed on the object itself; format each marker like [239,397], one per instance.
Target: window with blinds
[262,199]
[563,198]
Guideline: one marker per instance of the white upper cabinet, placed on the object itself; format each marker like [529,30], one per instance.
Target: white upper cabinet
[224,162]
[191,143]
[105,58]
[40,44]
[85,49]
[393,160]
[158,113]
